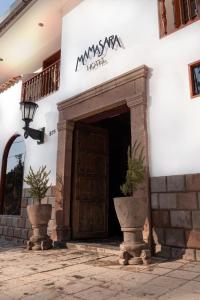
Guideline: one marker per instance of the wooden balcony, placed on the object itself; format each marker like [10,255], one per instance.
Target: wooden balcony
[177,14]
[42,84]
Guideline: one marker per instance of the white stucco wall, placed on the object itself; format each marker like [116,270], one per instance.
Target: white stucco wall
[173,118]
[9,116]
[11,123]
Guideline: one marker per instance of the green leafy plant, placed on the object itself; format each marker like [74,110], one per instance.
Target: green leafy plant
[38,182]
[135,171]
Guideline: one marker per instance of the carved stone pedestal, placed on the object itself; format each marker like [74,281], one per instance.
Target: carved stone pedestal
[131,212]
[133,250]
[39,216]
[39,240]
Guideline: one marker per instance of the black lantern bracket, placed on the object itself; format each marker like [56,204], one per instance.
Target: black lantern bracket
[34,134]
[28,109]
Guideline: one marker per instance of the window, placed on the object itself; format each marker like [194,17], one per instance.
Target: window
[12,176]
[175,14]
[194,73]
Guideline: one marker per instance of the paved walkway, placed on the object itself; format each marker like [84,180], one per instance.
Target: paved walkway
[72,275]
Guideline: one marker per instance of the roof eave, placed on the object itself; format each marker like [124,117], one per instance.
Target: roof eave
[17,12]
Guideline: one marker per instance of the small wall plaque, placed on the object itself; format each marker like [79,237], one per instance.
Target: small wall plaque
[52,132]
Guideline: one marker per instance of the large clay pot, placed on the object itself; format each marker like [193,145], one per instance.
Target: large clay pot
[131,213]
[39,216]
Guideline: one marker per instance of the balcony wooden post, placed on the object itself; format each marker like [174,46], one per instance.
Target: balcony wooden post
[163,17]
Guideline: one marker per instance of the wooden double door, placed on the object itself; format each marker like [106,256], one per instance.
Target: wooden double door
[89,216]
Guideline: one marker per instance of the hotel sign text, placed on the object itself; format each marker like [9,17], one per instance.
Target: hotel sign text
[94,56]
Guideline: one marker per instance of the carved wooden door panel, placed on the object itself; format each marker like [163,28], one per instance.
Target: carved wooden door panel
[90,183]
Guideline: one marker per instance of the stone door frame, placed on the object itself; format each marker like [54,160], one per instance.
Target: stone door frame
[130,89]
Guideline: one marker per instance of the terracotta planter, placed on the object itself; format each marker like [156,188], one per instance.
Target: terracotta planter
[131,213]
[39,216]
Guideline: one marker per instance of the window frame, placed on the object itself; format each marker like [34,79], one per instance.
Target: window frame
[191,81]
[182,25]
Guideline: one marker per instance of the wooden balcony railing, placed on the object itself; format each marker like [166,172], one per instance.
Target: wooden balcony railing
[176,14]
[42,84]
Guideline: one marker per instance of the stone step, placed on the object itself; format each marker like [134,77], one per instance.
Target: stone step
[100,248]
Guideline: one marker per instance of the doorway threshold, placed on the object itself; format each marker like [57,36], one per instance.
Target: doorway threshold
[105,246]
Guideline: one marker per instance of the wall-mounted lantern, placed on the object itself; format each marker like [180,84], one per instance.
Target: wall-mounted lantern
[28,109]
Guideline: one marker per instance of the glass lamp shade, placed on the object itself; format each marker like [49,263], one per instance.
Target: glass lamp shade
[28,109]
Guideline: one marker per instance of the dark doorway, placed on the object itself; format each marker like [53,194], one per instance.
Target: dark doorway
[118,128]
[115,125]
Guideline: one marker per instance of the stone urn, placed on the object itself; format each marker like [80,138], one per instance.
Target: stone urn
[39,216]
[131,213]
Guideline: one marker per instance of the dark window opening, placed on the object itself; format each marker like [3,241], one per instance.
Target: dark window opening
[194,72]
[12,181]
[193,9]
[51,60]
[185,11]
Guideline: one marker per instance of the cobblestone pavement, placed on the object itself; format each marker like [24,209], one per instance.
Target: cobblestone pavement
[72,275]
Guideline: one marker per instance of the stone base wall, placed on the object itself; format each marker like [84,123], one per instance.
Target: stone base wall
[175,204]
[18,228]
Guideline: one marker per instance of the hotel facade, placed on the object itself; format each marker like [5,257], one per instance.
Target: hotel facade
[104,73]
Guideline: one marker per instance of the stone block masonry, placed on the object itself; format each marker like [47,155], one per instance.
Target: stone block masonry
[18,228]
[175,205]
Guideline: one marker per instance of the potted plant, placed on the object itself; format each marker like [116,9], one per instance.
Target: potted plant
[38,214]
[131,210]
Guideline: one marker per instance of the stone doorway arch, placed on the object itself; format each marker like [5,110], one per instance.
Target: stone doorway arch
[130,89]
